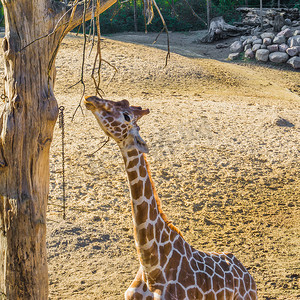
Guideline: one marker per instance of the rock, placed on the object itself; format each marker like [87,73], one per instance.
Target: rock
[220,46]
[233,56]
[294,41]
[263,47]
[257,41]
[295,23]
[248,46]
[256,47]
[284,27]
[288,22]
[236,47]
[293,51]
[267,41]
[278,57]
[249,53]
[269,35]
[243,38]
[294,62]
[297,32]
[273,48]
[247,41]
[262,55]
[283,47]
[279,121]
[279,39]
[286,33]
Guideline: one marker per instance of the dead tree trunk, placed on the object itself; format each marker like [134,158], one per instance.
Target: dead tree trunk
[219,29]
[26,127]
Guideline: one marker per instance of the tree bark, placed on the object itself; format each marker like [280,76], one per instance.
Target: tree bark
[208,5]
[135,16]
[26,127]
[219,29]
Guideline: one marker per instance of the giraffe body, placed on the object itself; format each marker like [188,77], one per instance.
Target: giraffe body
[169,267]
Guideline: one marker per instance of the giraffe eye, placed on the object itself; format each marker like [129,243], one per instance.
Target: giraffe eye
[126,117]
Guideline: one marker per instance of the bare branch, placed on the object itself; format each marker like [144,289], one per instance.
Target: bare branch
[194,13]
[78,13]
[165,28]
[148,11]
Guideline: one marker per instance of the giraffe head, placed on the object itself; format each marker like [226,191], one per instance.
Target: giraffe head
[118,121]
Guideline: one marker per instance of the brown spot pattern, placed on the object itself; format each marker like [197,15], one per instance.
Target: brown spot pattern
[150,255]
[136,190]
[148,189]
[164,237]
[172,266]
[178,245]
[186,276]
[132,153]
[132,175]
[204,282]
[142,213]
[153,214]
[142,237]
[115,123]
[142,171]
[164,252]
[133,163]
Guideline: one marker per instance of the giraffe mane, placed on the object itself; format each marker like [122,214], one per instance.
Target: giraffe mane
[164,217]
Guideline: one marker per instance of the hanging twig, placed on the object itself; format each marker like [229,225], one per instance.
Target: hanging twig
[62,126]
[92,27]
[98,55]
[173,8]
[148,10]
[145,22]
[165,28]
[103,144]
[97,81]
[158,36]
[83,60]
[194,13]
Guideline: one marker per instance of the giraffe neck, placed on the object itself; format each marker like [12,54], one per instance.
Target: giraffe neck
[153,232]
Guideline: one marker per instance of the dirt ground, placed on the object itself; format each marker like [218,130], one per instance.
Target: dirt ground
[224,154]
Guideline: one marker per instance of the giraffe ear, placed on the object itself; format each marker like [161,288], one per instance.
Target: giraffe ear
[140,144]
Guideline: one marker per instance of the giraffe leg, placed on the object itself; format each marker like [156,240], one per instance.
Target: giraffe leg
[138,289]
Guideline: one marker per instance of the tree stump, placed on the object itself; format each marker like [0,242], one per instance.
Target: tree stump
[219,29]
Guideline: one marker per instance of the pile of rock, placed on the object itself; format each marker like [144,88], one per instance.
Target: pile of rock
[283,47]
[252,17]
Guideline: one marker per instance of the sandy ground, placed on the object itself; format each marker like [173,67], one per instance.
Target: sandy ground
[225,165]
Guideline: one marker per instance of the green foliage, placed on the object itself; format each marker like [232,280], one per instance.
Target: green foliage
[1,15]
[227,9]
[273,3]
[177,14]
[179,18]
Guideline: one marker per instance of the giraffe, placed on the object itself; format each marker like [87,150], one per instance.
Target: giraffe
[169,267]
